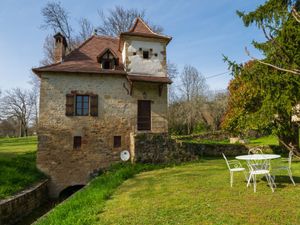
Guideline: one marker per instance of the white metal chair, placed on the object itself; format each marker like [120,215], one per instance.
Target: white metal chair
[234,166]
[255,150]
[257,164]
[262,169]
[286,168]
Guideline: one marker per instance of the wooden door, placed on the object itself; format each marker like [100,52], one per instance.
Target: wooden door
[144,115]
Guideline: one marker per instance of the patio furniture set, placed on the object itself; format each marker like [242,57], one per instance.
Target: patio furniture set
[258,164]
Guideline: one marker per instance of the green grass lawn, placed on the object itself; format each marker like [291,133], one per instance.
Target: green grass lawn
[17,164]
[192,193]
[266,140]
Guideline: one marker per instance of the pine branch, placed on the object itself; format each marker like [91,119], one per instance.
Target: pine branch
[295,14]
[296,72]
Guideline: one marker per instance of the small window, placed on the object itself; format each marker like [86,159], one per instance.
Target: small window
[134,53]
[145,54]
[155,54]
[82,105]
[106,65]
[117,141]
[77,142]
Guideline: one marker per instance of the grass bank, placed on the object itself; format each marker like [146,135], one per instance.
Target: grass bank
[17,165]
[85,206]
[199,193]
[191,193]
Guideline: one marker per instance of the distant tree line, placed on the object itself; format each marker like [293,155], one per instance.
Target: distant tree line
[19,110]
[193,108]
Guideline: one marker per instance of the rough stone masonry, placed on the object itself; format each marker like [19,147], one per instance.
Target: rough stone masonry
[96,99]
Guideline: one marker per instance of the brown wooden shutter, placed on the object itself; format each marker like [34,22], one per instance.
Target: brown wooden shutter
[94,105]
[144,115]
[70,104]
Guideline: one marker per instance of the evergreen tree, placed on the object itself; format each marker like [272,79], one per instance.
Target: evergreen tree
[261,96]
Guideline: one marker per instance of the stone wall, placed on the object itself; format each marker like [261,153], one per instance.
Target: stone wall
[156,148]
[20,205]
[117,116]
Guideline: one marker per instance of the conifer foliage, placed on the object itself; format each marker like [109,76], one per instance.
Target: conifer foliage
[265,91]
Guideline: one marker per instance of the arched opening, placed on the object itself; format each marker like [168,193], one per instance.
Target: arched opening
[67,192]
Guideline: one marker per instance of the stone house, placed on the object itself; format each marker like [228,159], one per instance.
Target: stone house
[94,100]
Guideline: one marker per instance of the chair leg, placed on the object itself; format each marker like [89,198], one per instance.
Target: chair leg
[273,181]
[254,182]
[249,180]
[269,179]
[246,178]
[231,179]
[291,176]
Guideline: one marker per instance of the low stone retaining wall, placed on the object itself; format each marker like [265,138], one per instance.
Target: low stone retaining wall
[20,205]
[160,148]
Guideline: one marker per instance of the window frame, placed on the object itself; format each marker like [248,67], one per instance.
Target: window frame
[117,141]
[77,142]
[144,122]
[82,108]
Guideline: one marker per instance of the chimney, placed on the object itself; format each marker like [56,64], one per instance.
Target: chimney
[59,47]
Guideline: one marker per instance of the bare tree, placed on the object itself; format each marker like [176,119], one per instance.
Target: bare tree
[86,29]
[57,19]
[217,106]
[185,113]
[193,84]
[121,20]
[172,73]
[35,96]
[18,104]
[48,49]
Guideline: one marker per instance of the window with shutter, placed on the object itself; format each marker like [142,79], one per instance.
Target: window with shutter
[69,105]
[94,105]
[82,105]
[144,115]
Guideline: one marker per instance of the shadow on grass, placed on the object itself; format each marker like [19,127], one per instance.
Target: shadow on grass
[282,181]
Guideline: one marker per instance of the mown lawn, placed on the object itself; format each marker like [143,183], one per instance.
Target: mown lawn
[266,140]
[17,165]
[192,193]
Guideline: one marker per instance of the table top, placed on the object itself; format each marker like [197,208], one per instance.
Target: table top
[258,157]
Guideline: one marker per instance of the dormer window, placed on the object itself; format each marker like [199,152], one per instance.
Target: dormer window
[108,59]
[145,54]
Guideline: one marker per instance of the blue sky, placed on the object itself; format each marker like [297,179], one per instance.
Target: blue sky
[202,31]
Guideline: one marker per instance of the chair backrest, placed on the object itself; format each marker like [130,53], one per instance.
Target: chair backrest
[226,161]
[255,150]
[290,158]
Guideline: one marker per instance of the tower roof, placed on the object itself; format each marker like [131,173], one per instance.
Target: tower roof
[140,28]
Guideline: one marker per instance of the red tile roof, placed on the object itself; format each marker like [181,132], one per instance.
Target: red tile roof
[84,58]
[140,28]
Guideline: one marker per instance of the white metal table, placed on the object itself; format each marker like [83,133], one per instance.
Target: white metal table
[256,158]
